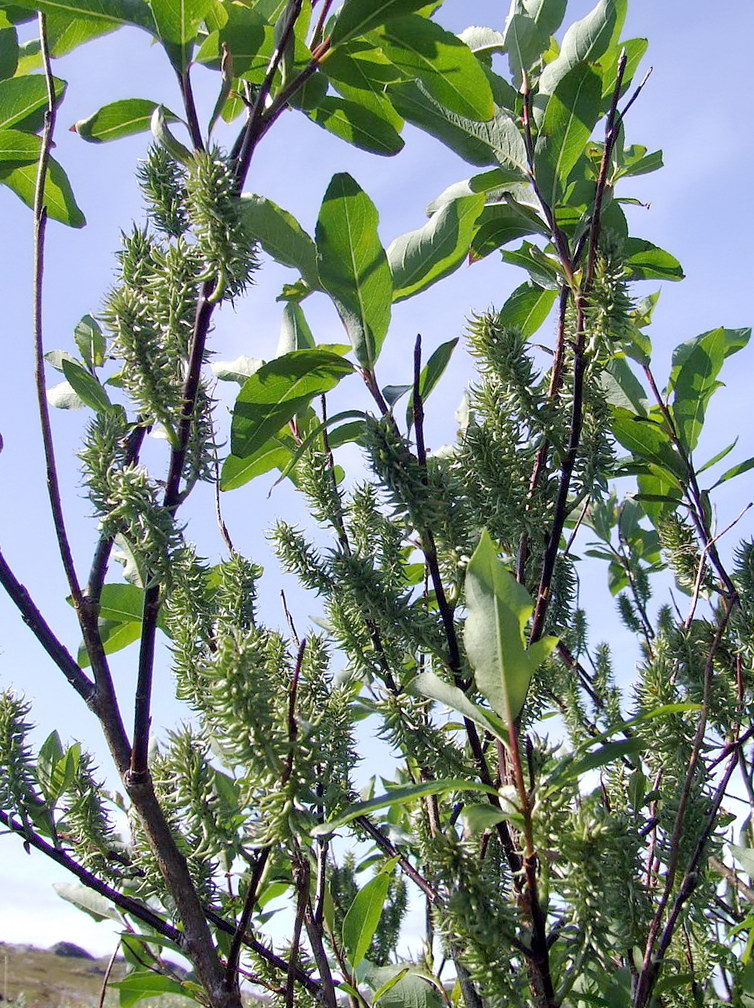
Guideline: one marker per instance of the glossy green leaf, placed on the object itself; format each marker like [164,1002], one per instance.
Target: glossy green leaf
[23,101]
[8,52]
[113,13]
[66,33]
[542,269]
[279,390]
[571,114]
[497,611]
[584,42]
[360,74]
[609,753]
[647,441]
[430,375]
[527,308]
[147,984]
[501,223]
[237,472]
[645,261]
[90,340]
[17,149]
[399,796]
[353,266]
[86,387]
[420,258]
[248,34]
[363,916]
[119,119]
[447,68]
[734,471]
[642,165]
[280,235]
[115,636]
[498,141]
[358,125]
[359,16]
[496,182]
[58,196]
[121,603]
[177,23]
[694,378]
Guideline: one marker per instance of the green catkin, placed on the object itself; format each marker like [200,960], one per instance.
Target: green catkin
[162,181]
[215,213]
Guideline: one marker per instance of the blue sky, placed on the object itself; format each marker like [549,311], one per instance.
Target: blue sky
[700,208]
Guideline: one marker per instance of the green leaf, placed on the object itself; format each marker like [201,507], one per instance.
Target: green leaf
[430,684]
[497,182]
[112,13]
[570,116]
[693,379]
[745,858]
[483,42]
[479,818]
[8,52]
[360,73]
[525,42]
[64,33]
[87,900]
[62,396]
[573,769]
[247,33]
[647,441]
[236,472]
[420,258]
[500,223]
[295,333]
[635,50]
[718,457]
[498,608]
[137,986]
[734,471]
[548,14]
[86,387]
[363,127]
[115,636]
[400,985]
[444,64]
[280,235]
[90,340]
[430,375]
[58,196]
[363,916]
[527,308]
[17,149]
[399,796]
[622,388]
[119,119]
[121,603]
[645,261]
[279,390]
[23,101]
[177,24]
[498,141]
[642,165]
[353,267]
[359,16]
[584,42]
[543,270]
[237,370]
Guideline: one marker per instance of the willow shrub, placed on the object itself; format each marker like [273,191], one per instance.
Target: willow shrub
[592,870]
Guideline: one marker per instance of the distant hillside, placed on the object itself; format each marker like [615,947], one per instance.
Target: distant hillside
[44,978]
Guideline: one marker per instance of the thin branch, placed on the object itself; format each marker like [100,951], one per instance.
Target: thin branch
[106,977]
[234,955]
[189,104]
[391,851]
[40,222]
